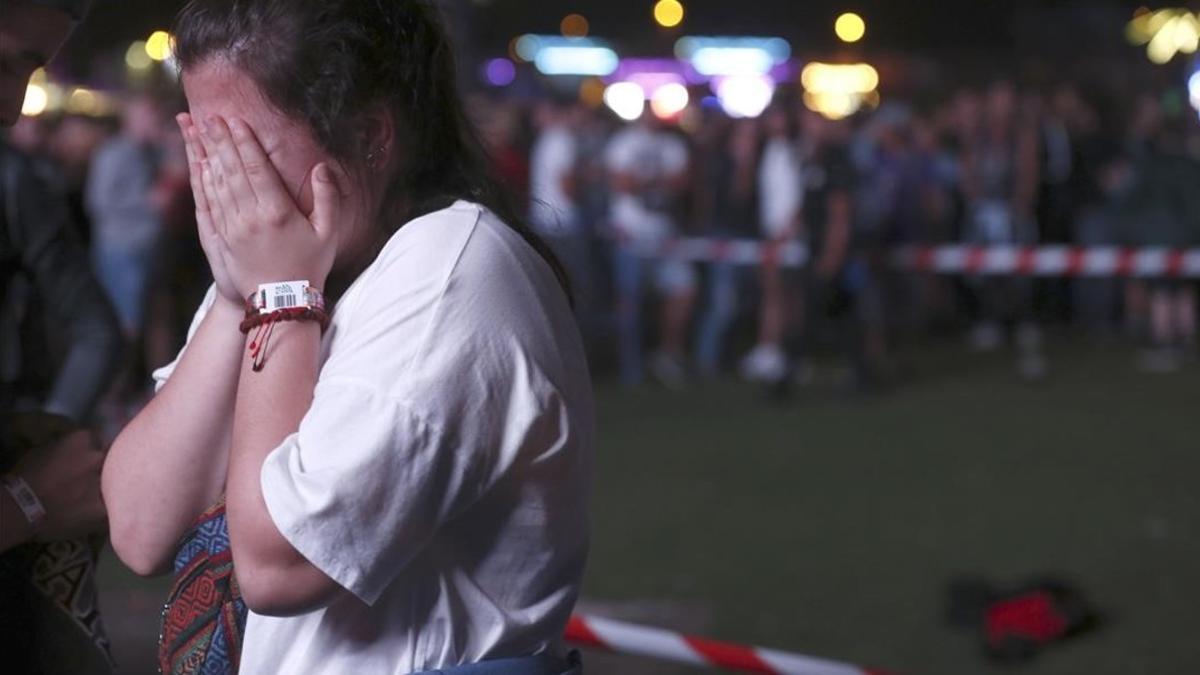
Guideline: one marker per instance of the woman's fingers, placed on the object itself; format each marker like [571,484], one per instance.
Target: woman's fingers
[191,147]
[327,198]
[220,223]
[230,177]
[264,179]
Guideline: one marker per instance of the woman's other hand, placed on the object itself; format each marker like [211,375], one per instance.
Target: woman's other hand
[210,241]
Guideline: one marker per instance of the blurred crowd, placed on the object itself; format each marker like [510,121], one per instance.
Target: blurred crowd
[994,164]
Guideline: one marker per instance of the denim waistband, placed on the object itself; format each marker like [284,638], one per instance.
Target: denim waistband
[540,664]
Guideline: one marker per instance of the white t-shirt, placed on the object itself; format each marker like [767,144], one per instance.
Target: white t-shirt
[647,154]
[442,472]
[779,186]
[551,161]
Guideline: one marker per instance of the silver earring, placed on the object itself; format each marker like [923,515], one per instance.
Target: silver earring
[373,158]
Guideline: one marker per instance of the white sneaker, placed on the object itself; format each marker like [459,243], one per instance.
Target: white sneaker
[986,336]
[1033,366]
[765,363]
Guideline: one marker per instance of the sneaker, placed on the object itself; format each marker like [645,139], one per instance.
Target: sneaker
[668,370]
[986,336]
[1033,366]
[765,363]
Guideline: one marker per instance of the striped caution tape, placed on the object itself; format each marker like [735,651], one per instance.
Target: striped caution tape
[629,638]
[1041,261]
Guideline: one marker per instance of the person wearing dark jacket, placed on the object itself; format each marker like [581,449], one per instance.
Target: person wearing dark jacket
[59,343]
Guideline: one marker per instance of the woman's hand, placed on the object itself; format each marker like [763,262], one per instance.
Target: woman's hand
[265,236]
[214,247]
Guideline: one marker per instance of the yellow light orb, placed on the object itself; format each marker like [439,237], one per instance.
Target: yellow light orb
[850,27]
[36,100]
[137,58]
[83,101]
[668,13]
[158,45]
[574,25]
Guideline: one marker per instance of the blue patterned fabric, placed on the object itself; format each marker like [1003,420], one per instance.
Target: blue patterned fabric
[205,617]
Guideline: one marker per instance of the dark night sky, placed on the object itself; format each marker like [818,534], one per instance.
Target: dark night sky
[903,25]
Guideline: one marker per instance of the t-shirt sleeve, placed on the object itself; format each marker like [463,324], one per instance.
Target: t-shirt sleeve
[162,374]
[363,485]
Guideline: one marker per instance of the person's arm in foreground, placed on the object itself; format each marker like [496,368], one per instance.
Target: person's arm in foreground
[268,239]
[66,480]
[169,463]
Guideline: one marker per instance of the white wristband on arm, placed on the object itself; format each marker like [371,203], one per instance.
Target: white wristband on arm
[25,498]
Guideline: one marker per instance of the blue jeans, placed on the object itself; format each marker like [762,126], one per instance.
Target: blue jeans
[721,308]
[124,272]
[670,277]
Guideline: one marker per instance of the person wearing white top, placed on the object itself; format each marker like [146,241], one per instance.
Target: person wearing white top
[405,481]
[648,169]
[554,186]
[781,197]
[552,161]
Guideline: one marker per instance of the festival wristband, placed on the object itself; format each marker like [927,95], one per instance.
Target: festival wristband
[275,302]
[285,295]
[25,498]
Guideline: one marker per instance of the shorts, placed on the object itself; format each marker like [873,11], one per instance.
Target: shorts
[670,277]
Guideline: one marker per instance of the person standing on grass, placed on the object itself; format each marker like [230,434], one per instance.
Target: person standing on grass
[781,197]
[648,171]
[403,442]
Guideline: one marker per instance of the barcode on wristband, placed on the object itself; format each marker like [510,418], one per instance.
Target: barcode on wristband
[283,295]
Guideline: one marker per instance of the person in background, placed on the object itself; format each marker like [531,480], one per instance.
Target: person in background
[554,179]
[180,275]
[49,385]
[728,175]
[126,225]
[825,227]
[780,198]
[648,169]
[1162,210]
[1000,179]
[503,130]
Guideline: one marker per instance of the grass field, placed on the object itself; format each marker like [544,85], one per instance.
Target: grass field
[831,525]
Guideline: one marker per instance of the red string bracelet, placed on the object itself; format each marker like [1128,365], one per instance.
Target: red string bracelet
[278,302]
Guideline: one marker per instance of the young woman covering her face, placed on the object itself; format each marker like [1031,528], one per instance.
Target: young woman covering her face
[405,490]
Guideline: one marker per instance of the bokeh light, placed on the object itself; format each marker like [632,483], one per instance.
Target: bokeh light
[669,100]
[500,72]
[136,57]
[626,99]
[158,45]
[745,96]
[36,100]
[850,27]
[591,92]
[668,13]
[574,25]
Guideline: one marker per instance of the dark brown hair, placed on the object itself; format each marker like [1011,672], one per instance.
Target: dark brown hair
[325,61]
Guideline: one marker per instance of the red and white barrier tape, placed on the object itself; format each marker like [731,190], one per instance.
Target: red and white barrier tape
[628,638]
[1041,261]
